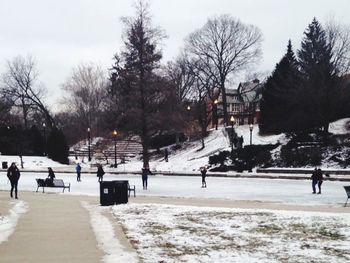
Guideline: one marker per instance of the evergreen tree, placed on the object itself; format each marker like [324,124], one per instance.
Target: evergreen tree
[318,91]
[57,148]
[141,98]
[279,95]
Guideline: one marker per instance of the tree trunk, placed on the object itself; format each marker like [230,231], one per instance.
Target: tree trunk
[224,103]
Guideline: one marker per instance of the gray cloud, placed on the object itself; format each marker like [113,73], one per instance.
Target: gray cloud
[62,34]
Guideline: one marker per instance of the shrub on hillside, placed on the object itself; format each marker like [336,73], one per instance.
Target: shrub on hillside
[300,156]
[163,140]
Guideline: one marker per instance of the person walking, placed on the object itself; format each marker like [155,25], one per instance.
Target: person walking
[100,173]
[319,176]
[145,172]
[314,180]
[78,170]
[13,175]
[204,173]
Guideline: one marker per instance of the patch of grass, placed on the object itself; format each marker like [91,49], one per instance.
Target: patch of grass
[156,229]
[341,253]
[268,229]
[332,234]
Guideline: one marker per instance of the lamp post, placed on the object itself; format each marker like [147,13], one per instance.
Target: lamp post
[216,113]
[89,142]
[251,130]
[44,127]
[115,148]
[189,125]
[233,121]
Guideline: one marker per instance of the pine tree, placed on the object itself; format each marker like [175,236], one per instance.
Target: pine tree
[139,95]
[279,95]
[318,92]
[57,148]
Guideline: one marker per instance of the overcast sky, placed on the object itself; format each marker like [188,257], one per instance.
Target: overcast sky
[60,34]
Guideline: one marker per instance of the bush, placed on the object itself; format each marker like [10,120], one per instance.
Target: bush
[219,158]
[301,156]
[163,140]
[244,158]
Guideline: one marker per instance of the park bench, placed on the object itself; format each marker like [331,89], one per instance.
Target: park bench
[57,183]
[347,190]
[131,188]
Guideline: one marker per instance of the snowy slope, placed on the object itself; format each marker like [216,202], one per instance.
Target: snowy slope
[190,158]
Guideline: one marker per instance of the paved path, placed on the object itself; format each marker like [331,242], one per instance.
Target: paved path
[55,229]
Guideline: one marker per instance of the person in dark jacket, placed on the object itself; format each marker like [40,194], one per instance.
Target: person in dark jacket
[145,172]
[314,180]
[78,170]
[319,176]
[100,173]
[50,177]
[13,175]
[204,173]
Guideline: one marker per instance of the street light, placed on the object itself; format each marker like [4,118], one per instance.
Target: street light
[115,148]
[233,121]
[44,127]
[251,130]
[216,113]
[188,111]
[89,142]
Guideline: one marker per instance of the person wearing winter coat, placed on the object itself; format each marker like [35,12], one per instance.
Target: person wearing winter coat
[13,175]
[50,177]
[204,173]
[319,176]
[100,173]
[145,172]
[314,180]
[78,170]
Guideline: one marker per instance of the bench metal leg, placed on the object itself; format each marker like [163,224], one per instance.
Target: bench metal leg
[346,202]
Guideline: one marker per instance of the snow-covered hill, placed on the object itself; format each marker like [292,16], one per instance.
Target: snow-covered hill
[189,158]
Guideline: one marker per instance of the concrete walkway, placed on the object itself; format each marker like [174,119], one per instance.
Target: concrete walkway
[55,229]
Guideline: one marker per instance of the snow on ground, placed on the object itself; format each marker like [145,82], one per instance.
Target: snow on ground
[243,130]
[167,233]
[339,126]
[30,162]
[104,232]
[8,222]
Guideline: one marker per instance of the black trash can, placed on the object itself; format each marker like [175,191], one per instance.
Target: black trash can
[4,165]
[107,193]
[121,191]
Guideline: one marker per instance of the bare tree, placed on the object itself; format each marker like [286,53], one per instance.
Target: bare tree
[86,88]
[225,46]
[339,39]
[19,83]
[180,75]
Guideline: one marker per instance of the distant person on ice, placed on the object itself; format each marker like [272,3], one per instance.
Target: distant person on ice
[100,173]
[314,180]
[204,173]
[319,176]
[13,175]
[145,172]
[78,170]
